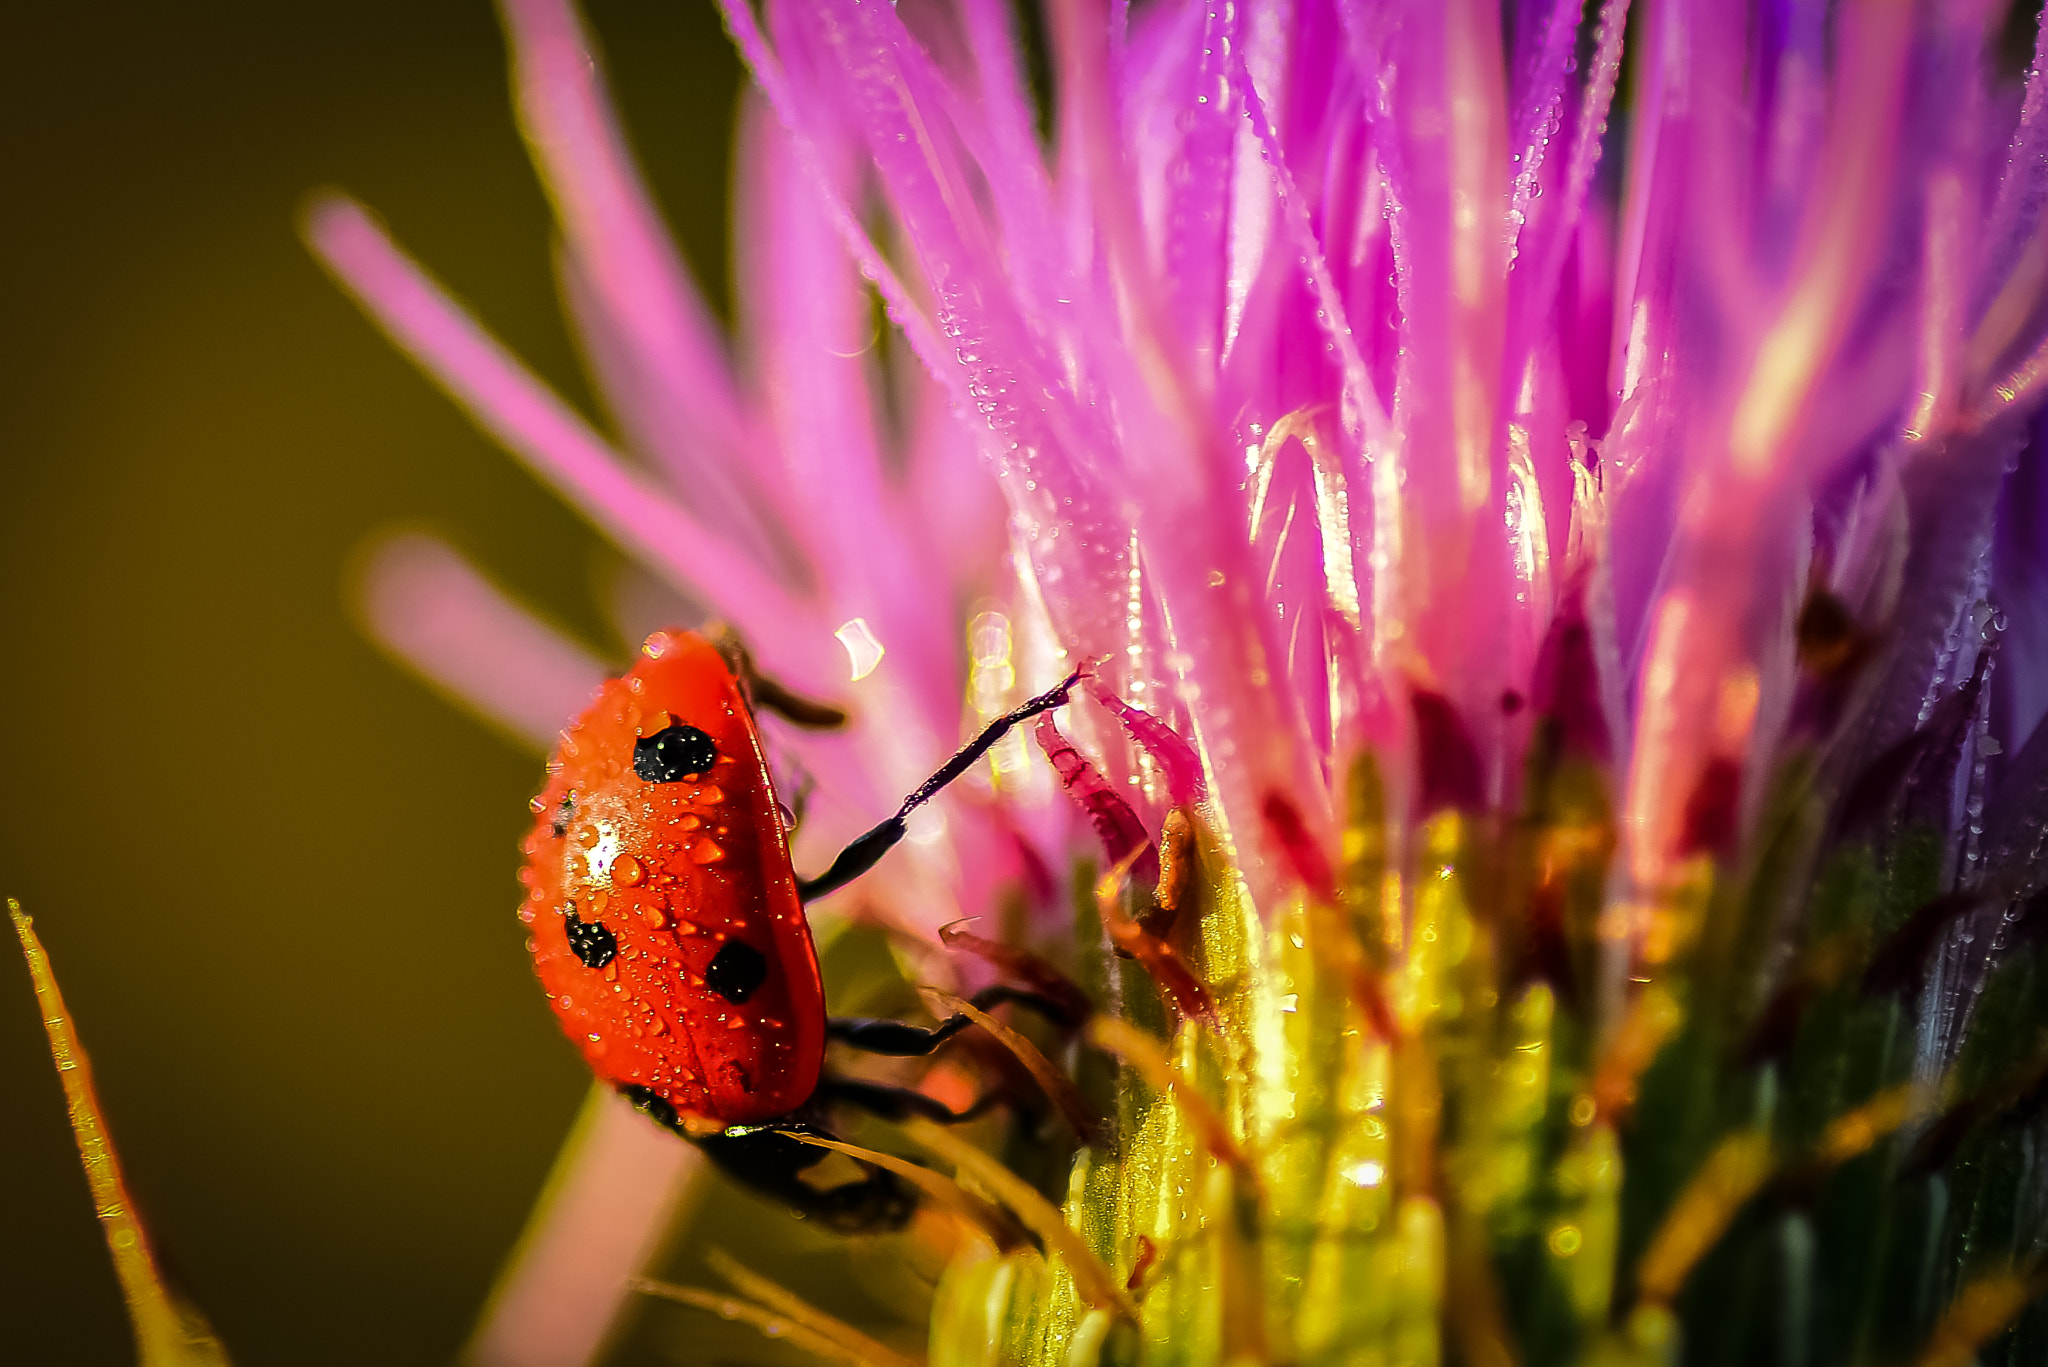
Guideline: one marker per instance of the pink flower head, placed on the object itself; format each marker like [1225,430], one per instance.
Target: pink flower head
[1334,378]
[1326,371]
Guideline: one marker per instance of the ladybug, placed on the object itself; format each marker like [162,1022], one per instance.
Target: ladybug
[668,927]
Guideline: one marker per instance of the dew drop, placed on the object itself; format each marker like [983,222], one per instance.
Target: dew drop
[628,871]
[706,852]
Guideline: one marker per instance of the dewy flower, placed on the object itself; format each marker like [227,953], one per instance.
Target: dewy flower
[1592,548]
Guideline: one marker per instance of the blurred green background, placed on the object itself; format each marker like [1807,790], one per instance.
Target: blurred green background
[275,874]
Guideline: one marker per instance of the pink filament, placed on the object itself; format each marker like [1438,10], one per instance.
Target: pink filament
[1116,825]
[1177,760]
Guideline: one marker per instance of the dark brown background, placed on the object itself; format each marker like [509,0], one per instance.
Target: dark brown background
[274,873]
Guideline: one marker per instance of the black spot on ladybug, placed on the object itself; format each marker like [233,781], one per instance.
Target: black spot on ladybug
[677,753]
[563,813]
[736,972]
[592,941]
[653,1107]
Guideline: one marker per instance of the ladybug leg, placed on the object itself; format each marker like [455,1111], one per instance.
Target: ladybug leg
[866,851]
[765,693]
[901,1103]
[895,1039]
[767,1161]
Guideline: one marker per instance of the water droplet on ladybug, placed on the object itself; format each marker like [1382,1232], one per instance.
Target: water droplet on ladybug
[655,917]
[627,870]
[711,795]
[526,915]
[690,823]
[706,852]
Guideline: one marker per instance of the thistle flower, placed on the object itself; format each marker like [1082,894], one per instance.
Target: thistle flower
[1565,593]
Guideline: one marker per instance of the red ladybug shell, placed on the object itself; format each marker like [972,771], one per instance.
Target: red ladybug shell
[661,879]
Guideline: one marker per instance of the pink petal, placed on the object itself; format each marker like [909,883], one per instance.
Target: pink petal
[612,228]
[612,1196]
[425,604]
[513,406]
[1364,420]
[807,313]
